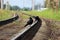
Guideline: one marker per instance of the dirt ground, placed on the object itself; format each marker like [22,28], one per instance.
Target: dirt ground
[9,30]
[50,30]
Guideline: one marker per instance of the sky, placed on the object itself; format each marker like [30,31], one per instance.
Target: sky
[24,3]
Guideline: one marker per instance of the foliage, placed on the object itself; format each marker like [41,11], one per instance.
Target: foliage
[4,6]
[38,6]
[14,8]
[59,3]
[26,9]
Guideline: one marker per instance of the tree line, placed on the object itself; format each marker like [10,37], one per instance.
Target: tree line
[16,8]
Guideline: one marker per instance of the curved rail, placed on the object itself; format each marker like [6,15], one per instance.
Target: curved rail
[8,20]
[29,32]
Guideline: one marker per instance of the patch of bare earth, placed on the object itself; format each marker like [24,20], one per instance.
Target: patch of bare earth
[9,30]
[50,30]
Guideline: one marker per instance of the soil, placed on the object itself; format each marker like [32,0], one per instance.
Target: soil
[7,31]
[50,30]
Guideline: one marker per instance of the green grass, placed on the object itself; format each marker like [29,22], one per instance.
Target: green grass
[49,14]
[5,14]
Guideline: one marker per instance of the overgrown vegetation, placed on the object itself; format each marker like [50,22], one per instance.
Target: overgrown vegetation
[5,14]
[50,14]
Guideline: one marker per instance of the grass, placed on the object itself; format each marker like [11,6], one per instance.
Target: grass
[5,14]
[49,14]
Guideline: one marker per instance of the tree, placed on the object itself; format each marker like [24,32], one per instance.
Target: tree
[59,3]
[14,8]
[26,9]
[4,6]
[37,7]
[32,4]
[0,3]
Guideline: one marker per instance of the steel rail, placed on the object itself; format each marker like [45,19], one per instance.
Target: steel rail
[4,22]
[28,32]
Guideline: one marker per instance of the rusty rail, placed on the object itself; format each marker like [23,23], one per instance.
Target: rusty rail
[29,32]
[4,22]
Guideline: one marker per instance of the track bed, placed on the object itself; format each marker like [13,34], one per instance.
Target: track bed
[7,31]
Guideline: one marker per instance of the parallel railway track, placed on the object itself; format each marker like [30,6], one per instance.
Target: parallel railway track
[27,33]
[8,20]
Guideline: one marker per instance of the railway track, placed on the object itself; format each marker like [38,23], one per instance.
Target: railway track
[29,32]
[10,29]
[9,20]
[26,33]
